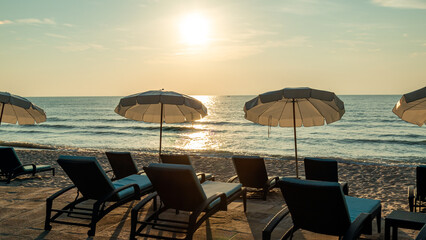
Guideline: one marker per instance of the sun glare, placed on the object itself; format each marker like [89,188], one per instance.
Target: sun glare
[194,29]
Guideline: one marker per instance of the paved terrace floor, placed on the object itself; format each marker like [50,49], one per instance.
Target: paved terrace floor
[22,213]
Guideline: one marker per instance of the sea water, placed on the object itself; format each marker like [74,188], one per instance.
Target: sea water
[367,132]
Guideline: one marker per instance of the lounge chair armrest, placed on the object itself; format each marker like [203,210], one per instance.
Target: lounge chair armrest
[271,179]
[422,234]
[117,190]
[60,192]
[113,175]
[232,179]
[207,202]
[203,177]
[213,198]
[33,165]
[267,231]
[142,203]
[356,227]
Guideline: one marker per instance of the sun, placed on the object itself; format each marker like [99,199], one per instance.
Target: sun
[194,29]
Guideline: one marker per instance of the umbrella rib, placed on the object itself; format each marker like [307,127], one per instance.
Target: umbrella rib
[16,115]
[31,114]
[300,112]
[264,112]
[282,111]
[317,109]
[181,111]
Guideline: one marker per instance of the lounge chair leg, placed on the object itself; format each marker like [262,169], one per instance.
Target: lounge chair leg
[47,225]
[379,219]
[245,199]
[265,192]
[134,219]
[411,203]
[289,233]
[415,205]
[9,177]
[95,213]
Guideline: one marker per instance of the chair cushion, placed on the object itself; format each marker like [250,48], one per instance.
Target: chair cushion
[38,168]
[141,180]
[357,206]
[210,188]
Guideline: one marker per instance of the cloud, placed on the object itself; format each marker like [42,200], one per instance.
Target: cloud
[36,21]
[3,22]
[136,48]
[353,43]
[30,21]
[55,35]
[79,47]
[228,50]
[418,54]
[308,7]
[413,4]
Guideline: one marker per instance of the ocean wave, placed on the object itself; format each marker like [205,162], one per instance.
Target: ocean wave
[225,123]
[115,133]
[404,142]
[26,145]
[56,126]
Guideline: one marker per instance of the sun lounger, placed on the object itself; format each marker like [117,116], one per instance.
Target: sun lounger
[11,166]
[417,193]
[179,189]
[92,182]
[422,234]
[122,164]
[251,172]
[324,170]
[185,160]
[321,207]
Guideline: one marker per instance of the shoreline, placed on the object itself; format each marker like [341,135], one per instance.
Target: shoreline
[208,154]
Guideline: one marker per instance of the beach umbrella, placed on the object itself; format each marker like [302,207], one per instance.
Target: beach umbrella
[16,109]
[412,107]
[161,106]
[294,107]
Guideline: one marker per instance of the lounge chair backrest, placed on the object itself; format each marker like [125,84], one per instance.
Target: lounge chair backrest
[251,171]
[8,159]
[87,175]
[175,159]
[321,169]
[316,205]
[122,164]
[177,185]
[421,181]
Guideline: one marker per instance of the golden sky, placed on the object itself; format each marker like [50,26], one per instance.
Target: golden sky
[217,47]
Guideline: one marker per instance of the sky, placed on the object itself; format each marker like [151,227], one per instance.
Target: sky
[216,47]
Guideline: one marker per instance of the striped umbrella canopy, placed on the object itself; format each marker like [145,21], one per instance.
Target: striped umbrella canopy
[294,107]
[412,107]
[161,106]
[15,109]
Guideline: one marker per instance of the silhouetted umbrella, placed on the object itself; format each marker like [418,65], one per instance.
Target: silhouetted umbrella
[15,109]
[412,107]
[294,107]
[161,106]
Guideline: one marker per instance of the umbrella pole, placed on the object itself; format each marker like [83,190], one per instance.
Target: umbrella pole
[1,114]
[161,131]
[295,140]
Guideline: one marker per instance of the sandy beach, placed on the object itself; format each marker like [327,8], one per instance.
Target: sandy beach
[386,183]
